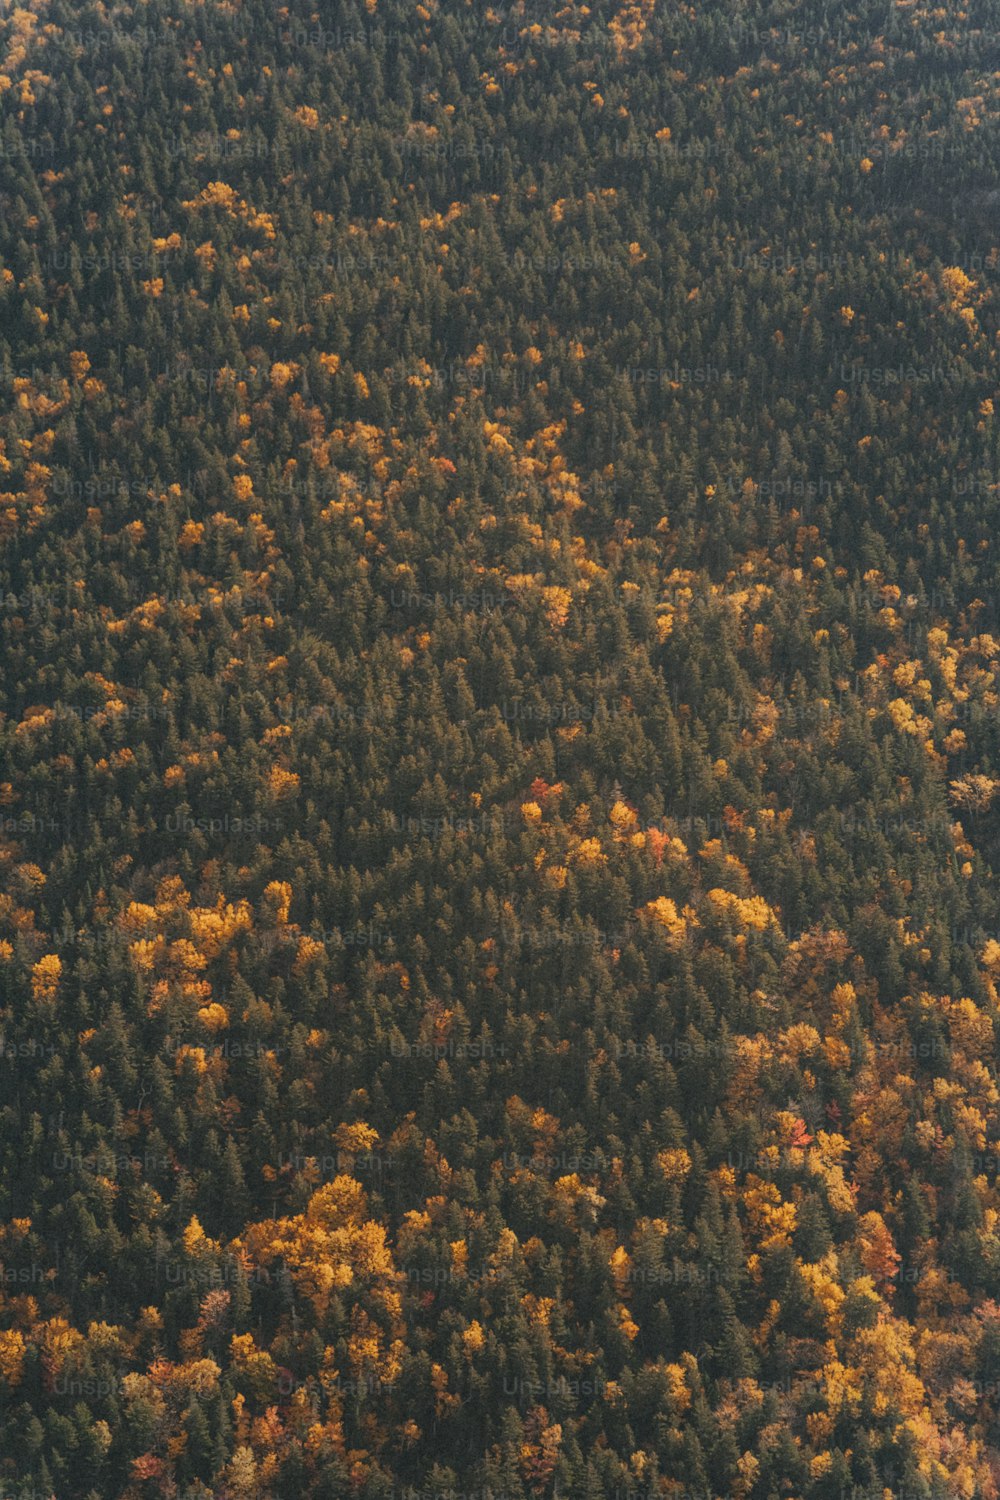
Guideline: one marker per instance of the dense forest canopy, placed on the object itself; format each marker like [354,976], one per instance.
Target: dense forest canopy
[499,759]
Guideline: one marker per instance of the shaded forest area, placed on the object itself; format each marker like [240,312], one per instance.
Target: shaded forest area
[499,939]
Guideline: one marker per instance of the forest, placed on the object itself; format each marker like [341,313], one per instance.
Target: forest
[499,750]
